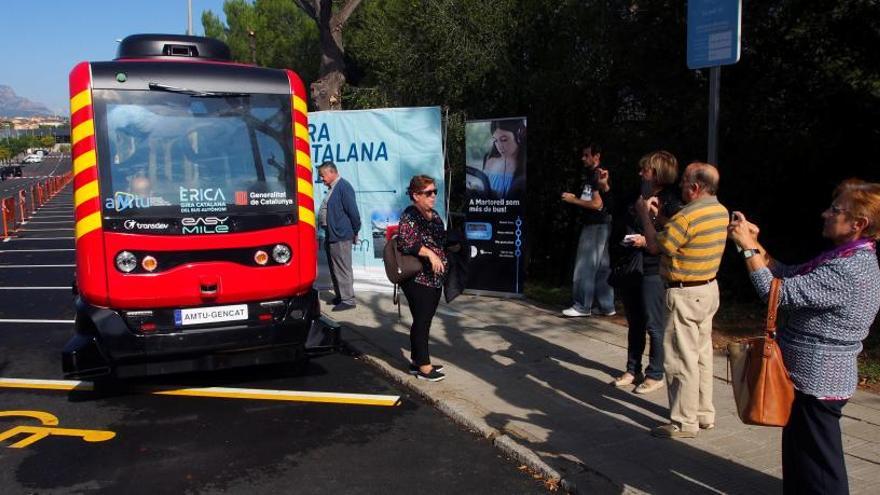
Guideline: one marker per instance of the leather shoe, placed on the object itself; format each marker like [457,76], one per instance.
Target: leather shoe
[648,386]
[672,431]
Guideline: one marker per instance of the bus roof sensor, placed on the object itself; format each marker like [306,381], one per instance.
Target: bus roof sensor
[172,45]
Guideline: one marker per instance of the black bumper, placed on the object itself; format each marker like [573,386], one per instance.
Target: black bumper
[108,342]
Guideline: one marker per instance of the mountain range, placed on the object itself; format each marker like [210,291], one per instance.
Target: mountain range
[12,105]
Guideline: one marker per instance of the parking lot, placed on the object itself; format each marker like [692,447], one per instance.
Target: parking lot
[331,425]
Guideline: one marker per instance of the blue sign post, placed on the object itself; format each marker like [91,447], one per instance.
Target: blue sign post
[713,40]
[713,33]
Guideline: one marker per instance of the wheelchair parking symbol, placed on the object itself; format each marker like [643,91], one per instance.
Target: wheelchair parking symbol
[48,428]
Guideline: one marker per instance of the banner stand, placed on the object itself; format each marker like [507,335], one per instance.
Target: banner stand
[495,206]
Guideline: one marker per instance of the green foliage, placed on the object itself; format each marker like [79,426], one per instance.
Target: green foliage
[22,143]
[47,141]
[799,112]
[284,37]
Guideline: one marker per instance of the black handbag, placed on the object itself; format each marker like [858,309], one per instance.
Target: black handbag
[399,267]
[627,269]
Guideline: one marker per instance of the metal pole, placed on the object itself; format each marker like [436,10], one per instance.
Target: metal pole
[714,105]
[253,39]
[189,17]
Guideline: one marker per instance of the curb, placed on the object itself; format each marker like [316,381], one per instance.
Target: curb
[498,438]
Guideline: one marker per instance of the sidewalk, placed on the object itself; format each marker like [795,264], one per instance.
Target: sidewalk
[537,386]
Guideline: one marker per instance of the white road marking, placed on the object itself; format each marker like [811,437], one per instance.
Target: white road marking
[37,266]
[34,288]
[34,250]
[34,321]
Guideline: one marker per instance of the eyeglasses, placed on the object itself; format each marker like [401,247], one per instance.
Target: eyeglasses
[429,192]
[836,210]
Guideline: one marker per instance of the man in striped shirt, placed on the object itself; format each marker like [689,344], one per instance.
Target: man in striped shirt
[690,247]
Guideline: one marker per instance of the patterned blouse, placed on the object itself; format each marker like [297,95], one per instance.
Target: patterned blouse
[416,231]
[830,310]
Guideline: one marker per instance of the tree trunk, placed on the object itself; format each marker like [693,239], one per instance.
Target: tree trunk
[326,92]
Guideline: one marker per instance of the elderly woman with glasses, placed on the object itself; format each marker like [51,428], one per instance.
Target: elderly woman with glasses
[421,233]
[831,303]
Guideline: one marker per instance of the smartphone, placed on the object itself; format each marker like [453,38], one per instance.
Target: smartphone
[629,239]
[733,219]
[647,190]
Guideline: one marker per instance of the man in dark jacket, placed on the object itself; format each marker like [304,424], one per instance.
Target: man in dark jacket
[341,221]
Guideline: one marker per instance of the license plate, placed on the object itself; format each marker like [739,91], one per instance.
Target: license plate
[215,314]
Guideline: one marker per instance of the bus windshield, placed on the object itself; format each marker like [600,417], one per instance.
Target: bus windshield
[176,154]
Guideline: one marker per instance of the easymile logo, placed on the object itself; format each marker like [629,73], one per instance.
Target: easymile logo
[135,225]
[205,225]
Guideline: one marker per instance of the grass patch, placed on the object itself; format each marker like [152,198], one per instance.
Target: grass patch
[545,294]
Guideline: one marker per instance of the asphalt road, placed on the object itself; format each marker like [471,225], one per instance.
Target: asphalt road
[147,443]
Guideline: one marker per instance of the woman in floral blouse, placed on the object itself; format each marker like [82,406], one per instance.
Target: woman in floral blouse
[421,233]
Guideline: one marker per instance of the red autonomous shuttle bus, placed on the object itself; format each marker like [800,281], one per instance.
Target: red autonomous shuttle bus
[195,224]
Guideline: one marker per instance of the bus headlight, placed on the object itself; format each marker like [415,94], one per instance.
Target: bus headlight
[281,254]
[126,262]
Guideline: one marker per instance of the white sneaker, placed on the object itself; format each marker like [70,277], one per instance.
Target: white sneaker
[573,312]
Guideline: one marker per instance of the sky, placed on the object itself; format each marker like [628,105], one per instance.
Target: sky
[44,39]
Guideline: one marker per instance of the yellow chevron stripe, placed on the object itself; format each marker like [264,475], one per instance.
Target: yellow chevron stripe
[301,131]
[82,99]
[84,161]
[85,193]
[88,224]
[305,187]
[299,105]
[306,216]
[82,131]
[304,160]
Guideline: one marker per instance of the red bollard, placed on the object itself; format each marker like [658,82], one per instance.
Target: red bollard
[5,229]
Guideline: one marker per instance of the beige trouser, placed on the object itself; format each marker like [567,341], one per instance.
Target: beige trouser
[688,347]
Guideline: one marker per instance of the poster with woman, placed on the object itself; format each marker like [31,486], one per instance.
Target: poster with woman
[495,214]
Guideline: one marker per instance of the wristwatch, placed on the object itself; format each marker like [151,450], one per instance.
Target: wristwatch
[748,253]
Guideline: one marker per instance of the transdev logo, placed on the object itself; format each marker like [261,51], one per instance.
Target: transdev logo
[135,225]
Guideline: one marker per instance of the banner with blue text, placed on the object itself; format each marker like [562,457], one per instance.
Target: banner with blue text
[378,151]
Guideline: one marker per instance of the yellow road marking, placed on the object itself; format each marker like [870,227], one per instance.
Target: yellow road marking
[219,392]
[37,433]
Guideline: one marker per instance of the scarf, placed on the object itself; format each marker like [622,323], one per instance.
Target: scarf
[843,251]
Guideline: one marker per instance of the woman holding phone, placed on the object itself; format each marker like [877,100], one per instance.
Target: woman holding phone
[830,303]
[643,294]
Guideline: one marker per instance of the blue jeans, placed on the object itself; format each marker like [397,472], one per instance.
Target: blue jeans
[645,307]
[591,270]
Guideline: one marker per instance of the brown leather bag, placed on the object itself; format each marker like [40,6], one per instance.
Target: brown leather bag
[762,388]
